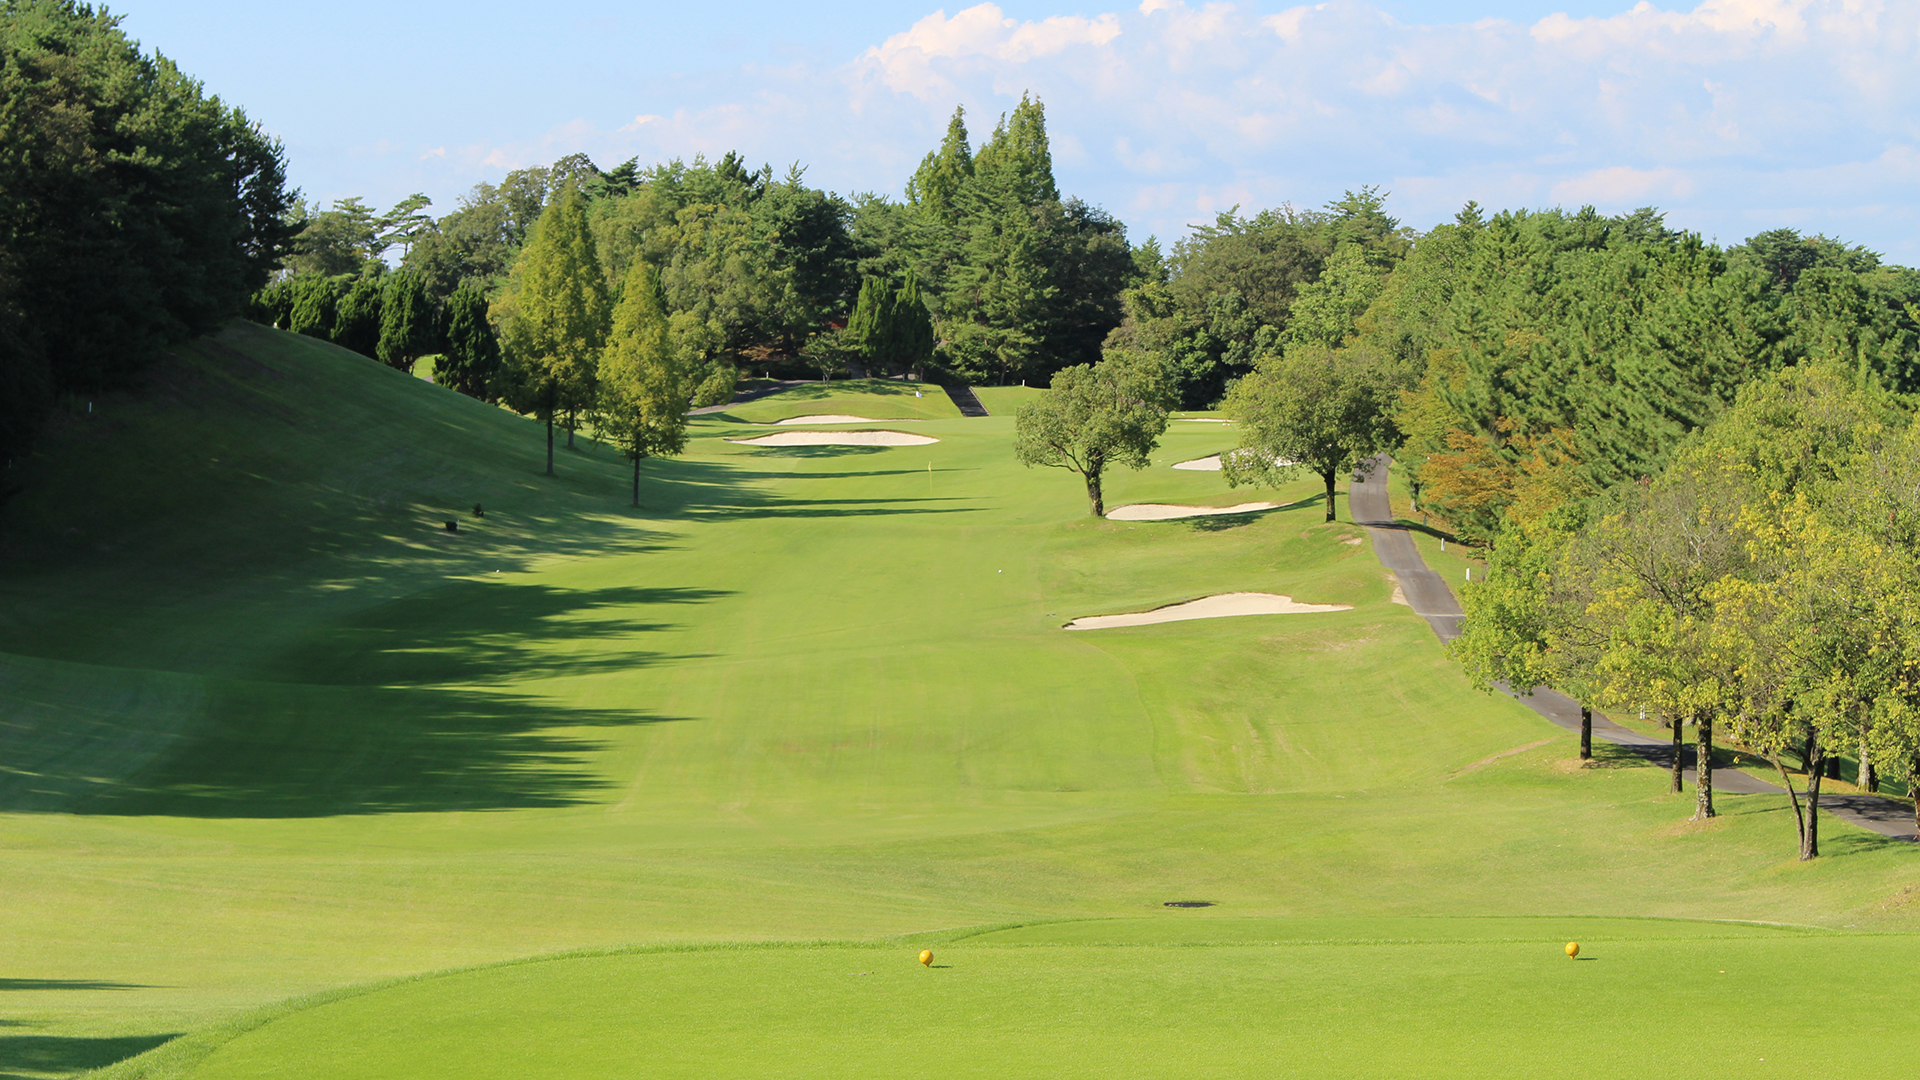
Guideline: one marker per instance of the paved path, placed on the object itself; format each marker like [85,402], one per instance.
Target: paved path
[1433,601]
[967,402]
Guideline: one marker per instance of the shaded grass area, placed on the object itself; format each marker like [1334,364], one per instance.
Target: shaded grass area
[267,730]
[880,399]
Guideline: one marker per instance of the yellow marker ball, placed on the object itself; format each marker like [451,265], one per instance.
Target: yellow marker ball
[1573,950]
[926,957]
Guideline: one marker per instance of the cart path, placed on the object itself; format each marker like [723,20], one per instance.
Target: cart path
[1434,601]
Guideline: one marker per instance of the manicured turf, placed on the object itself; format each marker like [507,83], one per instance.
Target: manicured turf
[1260,997]
[268,730]
[878,399]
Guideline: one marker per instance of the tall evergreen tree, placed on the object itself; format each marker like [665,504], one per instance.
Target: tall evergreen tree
[356,321]
[644,387]
[870,330]
[556,313]
[913,328]
[470,360]
[407,325]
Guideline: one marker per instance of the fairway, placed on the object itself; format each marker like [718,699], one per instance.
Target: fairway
[270,733]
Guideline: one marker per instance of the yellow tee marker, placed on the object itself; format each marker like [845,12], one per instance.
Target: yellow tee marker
[1573,950]
[926,957]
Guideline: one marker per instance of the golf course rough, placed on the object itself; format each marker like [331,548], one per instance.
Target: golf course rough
[272,734]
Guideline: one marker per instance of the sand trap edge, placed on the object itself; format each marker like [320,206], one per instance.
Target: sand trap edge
[1172,512]
[837,438]
[1217,606]
[841,418]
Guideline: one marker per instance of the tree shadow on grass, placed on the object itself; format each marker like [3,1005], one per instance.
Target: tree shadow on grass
[268,750]
[66,984]
[469,632]
[1223,522]
[409,706]
[817,451]
[709,490]
[63,1054]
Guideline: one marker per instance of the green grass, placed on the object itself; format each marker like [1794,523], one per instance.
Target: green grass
[878,399]
[1209,997]
[267,730]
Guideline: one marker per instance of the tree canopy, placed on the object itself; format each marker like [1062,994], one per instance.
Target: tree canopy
[136,211]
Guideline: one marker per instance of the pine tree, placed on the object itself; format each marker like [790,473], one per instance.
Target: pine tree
[356,321]
[1020,150]
[936,186]
[644,387]
[870,330]
[470,363]
[316,297]
[913,328]
[407,330]
[557,313]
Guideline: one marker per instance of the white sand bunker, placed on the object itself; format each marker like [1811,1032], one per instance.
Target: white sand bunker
[842,418]
[837,438]
[1203,420]
[1205,464]
[1220,606]
[1170,512]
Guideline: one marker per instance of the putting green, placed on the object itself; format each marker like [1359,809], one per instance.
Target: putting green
[1334,997]
[268,730]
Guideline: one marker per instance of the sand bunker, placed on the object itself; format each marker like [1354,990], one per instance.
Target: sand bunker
[1170,512]
[842,418]
[1203,420]
[1221,606]
[837,438]
[1211,463]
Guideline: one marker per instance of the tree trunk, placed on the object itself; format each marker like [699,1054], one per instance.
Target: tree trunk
[1833,767]
[1328,477]
[636,481]
[553,393]
[1799,818]
[1868,778]
[1093,495]
[1816,765]
[1586,732]
[1679,763]
[1703,767]
[1913,789]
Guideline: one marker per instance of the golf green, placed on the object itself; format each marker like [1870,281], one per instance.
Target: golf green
[269,730]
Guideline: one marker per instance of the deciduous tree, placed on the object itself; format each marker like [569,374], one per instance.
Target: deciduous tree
[1324,410]
[1094,417]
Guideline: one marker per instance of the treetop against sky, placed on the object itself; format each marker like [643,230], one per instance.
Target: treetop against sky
[1735,116]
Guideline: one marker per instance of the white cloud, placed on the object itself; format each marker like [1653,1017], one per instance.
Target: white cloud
[1736,115]
[907,61]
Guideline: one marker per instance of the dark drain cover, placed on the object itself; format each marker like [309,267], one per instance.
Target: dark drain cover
[1188,903]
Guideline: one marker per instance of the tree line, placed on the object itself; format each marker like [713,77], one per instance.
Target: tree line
[136,211]
[1694,469]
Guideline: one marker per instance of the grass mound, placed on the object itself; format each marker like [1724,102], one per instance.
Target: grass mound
[1170,996]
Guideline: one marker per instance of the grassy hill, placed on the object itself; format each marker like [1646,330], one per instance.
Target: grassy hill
[267,729]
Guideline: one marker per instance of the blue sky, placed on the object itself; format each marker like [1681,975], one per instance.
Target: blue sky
[1733,116]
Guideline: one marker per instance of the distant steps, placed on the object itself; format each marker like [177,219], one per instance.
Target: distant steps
[964,399]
